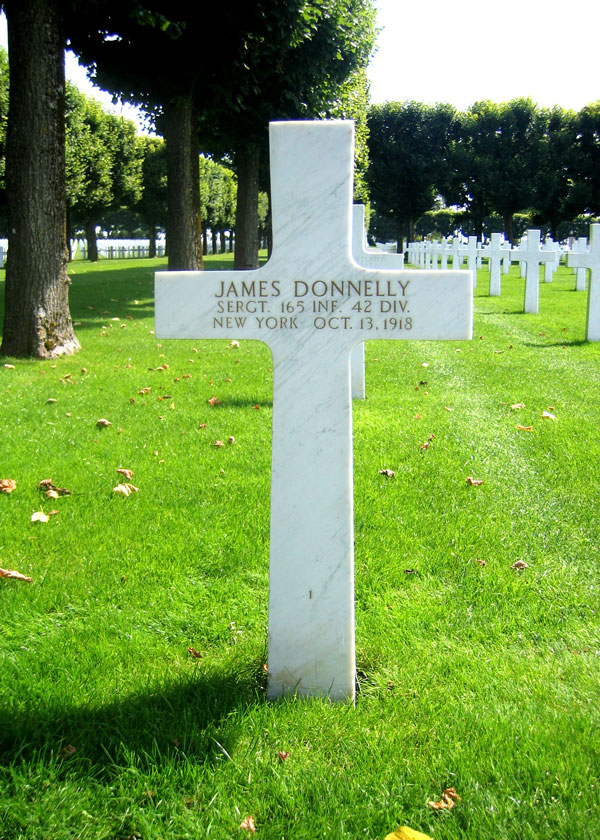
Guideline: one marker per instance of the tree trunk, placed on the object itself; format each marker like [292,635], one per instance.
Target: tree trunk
[37,321]
[152,240]
[92,244]
[222,243]
[204,240]
[183,195]
[247,160]
[213,241]
[399,230]
[230,240]
[508,227]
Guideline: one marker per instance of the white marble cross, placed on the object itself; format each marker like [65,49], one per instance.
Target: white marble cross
[591,259]
[471,252]
[311,307]
[532,256]
[368,258]
[580,247]
[495,253]
[550,267]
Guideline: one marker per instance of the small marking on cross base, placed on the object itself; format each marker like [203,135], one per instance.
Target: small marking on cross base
[315,304]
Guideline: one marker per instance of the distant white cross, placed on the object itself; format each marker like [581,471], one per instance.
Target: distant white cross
[591,259]
[532,256]
[368,258]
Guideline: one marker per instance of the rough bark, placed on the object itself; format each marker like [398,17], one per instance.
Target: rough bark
[246,215]
[37,321]
[183,195]
[151,240]
[92,244]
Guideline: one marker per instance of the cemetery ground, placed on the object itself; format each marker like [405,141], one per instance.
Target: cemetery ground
[132,678]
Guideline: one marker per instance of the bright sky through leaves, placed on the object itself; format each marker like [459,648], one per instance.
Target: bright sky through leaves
[461,52]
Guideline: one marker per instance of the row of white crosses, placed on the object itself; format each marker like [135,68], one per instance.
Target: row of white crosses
[530,254]
[312,308]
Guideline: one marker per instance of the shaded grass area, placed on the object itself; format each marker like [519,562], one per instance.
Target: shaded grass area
[473,676]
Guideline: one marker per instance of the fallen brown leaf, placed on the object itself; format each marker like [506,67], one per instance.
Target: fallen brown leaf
[480,561]
[248,825]
[516,406]
[7,485]
[231,439]
[474,482]
[103,422]
[125,489]
[387,473]
[127,473]
[448,800]
[219,443]
[283,756]
[214,401]
[51,490]
[519,565]
[10,573]
[195,653]
[524,428]
[39,516]
[547,415]
[9,367]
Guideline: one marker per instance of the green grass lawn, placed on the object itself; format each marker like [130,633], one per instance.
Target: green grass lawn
[472,675]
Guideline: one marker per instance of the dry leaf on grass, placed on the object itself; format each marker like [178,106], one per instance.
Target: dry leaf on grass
[195,653]
[103,422]
[219,443]
[125,489]
[127,473]
[387,473]
[474,482]
[524,428]
[406,833]
[7,485]
[448,800]
[51,490]
[516,406]
[283,756]
[214,401]
[231,439]
[9,367]
[519,565]
[39,516]
[248,825]
[547,415]
[480,561]
[10,573]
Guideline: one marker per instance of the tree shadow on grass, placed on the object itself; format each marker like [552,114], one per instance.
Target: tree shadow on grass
[580,342]
[193,719]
